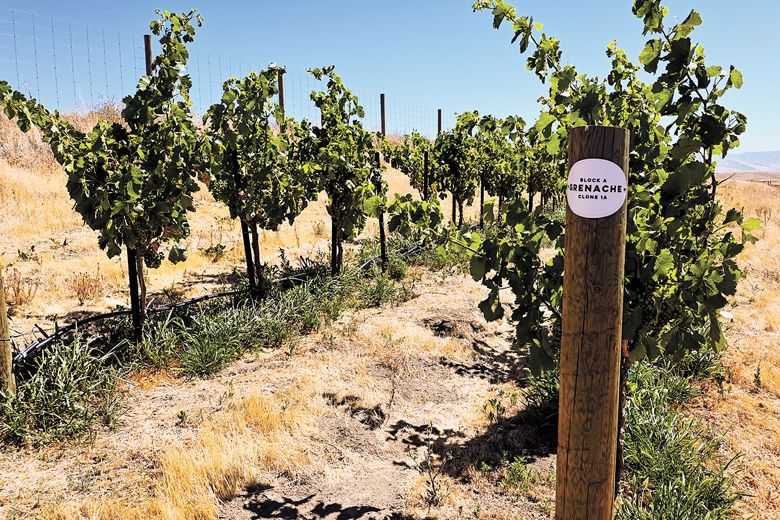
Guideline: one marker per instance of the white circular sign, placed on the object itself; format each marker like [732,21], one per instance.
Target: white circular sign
[596,188]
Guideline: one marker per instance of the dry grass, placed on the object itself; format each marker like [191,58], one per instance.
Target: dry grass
[250,436]
[20,290]
[258,433]
[756,309]
[28,151]
[184,472]
[36,218]
[748,415]
[183,448]
[86,286]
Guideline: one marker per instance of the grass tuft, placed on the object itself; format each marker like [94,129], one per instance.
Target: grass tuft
[71,390]
[674,467]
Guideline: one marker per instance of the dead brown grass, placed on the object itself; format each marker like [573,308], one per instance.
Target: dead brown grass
[85,285]
[251,435]
[28,151]
[245,439]
[748,415]
[184,448]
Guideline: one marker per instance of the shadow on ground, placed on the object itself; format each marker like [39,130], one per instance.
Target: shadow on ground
[492,365]
[495,364]
[523,435]
[262,506]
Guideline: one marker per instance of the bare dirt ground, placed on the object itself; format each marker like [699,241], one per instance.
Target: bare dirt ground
[383,388]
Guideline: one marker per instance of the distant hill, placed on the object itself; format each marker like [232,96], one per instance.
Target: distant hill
[750,162]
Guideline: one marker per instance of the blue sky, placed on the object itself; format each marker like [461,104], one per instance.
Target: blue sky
[423,54]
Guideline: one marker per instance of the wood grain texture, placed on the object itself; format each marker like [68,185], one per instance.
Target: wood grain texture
[590,343]
[7,381]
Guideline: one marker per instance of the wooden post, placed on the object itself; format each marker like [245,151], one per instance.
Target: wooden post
[382,113]
[481,200]
[426,176]
[382,235]
[281,88]
[590,343]
[438,117]
[148,53]
[7,380]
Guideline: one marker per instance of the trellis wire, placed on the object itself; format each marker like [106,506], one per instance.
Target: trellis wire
[24,36]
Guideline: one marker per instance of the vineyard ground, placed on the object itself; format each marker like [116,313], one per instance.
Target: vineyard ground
[360,398]
[341,417]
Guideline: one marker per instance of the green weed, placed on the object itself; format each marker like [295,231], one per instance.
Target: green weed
[71,390]
[674,468]
[518,476]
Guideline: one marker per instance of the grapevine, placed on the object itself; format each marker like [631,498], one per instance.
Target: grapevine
[343,153]
[458,163]
[408,156]
[680,258]
[258,168]
[132,181]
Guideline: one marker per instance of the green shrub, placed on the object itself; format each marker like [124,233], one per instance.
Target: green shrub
[541,395]
[673,466]
[700,364]
[518,476]
[160,342]
[273,332]
[382,290]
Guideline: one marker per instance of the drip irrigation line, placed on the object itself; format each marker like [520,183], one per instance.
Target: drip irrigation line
[60,332]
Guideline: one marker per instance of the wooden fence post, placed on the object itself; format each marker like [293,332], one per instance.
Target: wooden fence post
[7,380]
[148,53]
[382,235]
[281,88]
[426,177]
[592,318]
[481,200]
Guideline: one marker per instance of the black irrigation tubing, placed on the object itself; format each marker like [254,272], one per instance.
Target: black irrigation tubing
[60,332]
[39,345]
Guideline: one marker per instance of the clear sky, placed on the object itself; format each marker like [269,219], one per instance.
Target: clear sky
[423,54]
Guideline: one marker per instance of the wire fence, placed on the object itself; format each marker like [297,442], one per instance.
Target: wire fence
[74,67]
